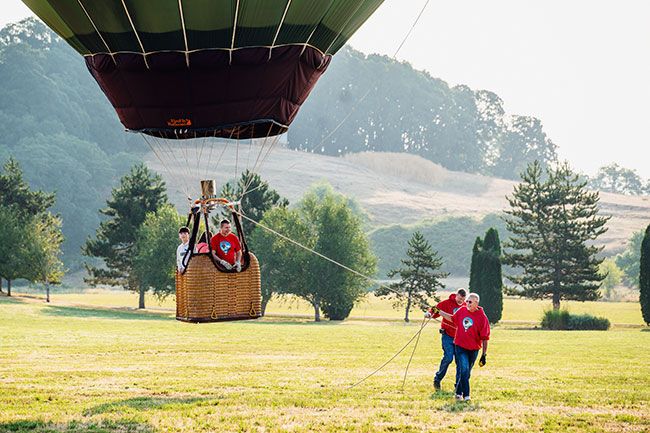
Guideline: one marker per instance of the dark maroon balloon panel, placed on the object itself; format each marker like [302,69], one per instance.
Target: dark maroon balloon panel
[251,95]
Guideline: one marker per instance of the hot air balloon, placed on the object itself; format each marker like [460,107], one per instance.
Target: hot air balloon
[192,69]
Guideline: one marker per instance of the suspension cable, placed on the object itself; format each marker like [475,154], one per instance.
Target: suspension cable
[365,95]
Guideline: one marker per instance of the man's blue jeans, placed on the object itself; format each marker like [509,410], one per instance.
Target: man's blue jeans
[448,349]
[465,360]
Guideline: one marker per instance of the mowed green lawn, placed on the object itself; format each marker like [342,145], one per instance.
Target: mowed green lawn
[75,369]
[514,310]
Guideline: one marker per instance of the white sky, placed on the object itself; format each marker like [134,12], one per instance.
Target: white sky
[582,66]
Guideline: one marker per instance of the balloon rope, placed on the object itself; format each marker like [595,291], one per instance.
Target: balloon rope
[162,161]
[415,346]
[306,248]
[416,335]
[365,95]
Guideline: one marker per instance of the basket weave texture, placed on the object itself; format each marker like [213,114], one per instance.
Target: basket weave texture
[205,294]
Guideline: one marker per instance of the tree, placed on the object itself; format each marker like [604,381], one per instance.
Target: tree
[24,217]
[554,222]
[338,236]
[14,238]
[139,192]
[256,196]
[612,276]
[322,222]
[617,179]
[15,192]
[280,260]
[154,261]
[44,252]
[628,260]
[419,277]
[485,274]
[644,277]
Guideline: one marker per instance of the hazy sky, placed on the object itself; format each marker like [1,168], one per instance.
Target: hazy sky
[582,66]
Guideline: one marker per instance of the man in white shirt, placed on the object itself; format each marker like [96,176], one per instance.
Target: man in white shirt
[181,251]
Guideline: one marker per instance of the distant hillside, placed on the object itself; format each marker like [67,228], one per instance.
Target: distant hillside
[55,120]
[401,193]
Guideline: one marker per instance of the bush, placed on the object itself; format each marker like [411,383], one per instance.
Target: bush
[588,322]
[563,320]
[556,319]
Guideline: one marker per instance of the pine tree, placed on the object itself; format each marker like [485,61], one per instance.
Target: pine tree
[256,196]
[419,277]
[644,277]
[139,192]
[554,222]
[474,274]
[492,281]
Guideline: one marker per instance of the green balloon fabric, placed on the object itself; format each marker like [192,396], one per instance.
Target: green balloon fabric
[183,69]
[148,26]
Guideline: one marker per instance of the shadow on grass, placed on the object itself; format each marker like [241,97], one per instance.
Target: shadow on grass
[100,313]
[460,406]
[4,299]
[442,395]
[146,403]
[104,426]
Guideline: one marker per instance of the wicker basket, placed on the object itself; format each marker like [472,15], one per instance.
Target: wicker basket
[205,294]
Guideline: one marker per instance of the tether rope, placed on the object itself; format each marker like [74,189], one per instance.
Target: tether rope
[416,335]
[417,340]
[311,250]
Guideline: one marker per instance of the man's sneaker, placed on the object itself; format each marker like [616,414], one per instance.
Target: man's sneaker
[459,397]
[467,398]
[436,385]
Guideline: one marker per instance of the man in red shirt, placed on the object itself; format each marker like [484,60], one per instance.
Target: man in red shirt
[448,331]
[226,248]
[472,334]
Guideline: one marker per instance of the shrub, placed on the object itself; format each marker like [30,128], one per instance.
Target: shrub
[563,320]
[588,322]
[555,319]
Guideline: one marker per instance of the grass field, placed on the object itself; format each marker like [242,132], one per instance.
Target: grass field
[74,369]
[514,310]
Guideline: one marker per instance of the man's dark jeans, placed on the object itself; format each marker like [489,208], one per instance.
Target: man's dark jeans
[448,349]
[464,361]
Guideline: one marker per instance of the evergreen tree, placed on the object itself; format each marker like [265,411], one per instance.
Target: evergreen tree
[644,277]
[474,266]
[553,222]
[15,192]
[256,196]
[419,277]
[139,192]
[485,274]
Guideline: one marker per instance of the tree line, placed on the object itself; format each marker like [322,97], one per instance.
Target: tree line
[317,249]
[619,180]
[389,106]
[59,126]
